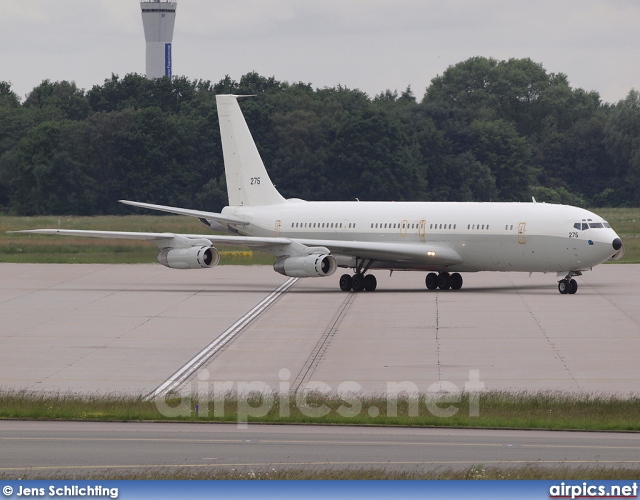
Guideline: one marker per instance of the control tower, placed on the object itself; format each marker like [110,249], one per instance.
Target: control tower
[158,18]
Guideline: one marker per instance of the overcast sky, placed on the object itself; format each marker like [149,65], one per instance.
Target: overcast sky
[372,45]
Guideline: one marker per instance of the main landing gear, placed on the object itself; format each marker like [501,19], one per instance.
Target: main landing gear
[443,281]
[360,280]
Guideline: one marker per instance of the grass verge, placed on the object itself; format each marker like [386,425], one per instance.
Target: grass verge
[494,409]
[476,472]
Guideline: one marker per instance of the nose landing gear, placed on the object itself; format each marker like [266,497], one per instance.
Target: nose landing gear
[568,284]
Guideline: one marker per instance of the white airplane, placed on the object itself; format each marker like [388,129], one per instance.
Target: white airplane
[312,239]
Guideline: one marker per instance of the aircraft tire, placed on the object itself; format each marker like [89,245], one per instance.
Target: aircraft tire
[431,281]
[357,282]
[573,286]
[370,283]
[444,281]
[345,282]
[564,286]
[456,281]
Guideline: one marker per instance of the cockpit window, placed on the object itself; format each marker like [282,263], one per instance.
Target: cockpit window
[595,225]
[606,224]
[577,225]
[585,226]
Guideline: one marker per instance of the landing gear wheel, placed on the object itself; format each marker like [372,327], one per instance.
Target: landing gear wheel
[431,281]
[345,282]
[357,282]
[444,281]
[573,286]
[370,282]
[564,286]
[456,281]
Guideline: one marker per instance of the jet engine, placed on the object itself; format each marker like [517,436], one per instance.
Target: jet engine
[307,266]
[189,258]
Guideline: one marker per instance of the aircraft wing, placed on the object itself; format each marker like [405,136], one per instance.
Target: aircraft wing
[426,253]
[248,241]
[227,219]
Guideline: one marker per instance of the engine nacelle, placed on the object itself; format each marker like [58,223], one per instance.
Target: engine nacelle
[189,258]
[308,266]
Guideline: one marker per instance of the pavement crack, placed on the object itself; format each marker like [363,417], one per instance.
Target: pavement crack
[323,343]
[546,336]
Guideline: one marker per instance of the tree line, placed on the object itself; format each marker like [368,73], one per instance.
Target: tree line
[484,130]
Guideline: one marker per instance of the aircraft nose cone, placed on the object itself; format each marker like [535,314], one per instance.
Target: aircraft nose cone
[617,244]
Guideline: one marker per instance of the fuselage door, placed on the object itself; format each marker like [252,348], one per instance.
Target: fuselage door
[403,228]
[522,233]
[277,227]
[422,227]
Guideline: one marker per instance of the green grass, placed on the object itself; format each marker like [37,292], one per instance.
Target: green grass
[204,472]
[497,409]
[61,249]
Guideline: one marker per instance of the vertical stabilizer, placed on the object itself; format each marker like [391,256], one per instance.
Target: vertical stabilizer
[248,183]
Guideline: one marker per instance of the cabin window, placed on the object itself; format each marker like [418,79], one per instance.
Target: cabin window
[454,226]
[487,226]
[512,227]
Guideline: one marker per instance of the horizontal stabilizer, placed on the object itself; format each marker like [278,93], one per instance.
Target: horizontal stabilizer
[226,219]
